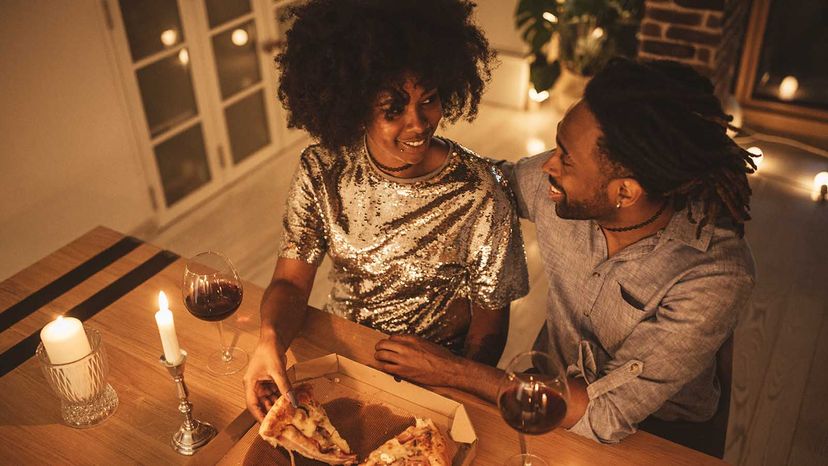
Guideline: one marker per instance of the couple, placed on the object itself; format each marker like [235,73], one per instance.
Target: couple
[639,212]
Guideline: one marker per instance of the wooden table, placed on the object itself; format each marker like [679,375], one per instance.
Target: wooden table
[120,299]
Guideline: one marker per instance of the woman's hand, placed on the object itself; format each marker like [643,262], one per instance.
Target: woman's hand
[266,377]
[418,360]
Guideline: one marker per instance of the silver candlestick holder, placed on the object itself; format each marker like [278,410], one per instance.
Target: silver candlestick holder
[193,434]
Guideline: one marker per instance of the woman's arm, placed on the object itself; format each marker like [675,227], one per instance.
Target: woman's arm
[283,310]
[487,334]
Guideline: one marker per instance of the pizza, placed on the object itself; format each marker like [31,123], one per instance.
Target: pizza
[305,430]
[419,445]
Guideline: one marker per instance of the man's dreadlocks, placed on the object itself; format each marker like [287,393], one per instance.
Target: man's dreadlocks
[661,122]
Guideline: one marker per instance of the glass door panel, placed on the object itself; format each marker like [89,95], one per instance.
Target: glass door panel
[789,69]
[182,164]
[151,26]
[222,11]
[167,92]
[247,126]
[237,62]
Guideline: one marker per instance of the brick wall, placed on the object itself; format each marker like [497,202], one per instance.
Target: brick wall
[706,34]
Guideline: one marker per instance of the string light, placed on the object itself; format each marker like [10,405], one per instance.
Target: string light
[820,191]
[538,96]
[535,146]
[788,88]
[169,37]
[239,37]
[760,156]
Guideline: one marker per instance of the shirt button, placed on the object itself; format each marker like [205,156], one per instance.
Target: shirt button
[633,367]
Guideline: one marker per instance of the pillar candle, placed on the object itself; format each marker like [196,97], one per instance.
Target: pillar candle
[65,340]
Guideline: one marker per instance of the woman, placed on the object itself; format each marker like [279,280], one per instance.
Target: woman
[422,234]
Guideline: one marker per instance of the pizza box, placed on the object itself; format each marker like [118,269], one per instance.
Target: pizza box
[367,407]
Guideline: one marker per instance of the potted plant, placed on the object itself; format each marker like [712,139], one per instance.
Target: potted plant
[572,39]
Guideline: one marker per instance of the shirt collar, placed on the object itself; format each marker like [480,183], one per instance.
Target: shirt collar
[682,229]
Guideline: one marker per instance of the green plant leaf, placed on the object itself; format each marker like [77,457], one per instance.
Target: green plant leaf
[543,74]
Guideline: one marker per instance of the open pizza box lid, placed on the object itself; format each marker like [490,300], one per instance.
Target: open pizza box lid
[367,407]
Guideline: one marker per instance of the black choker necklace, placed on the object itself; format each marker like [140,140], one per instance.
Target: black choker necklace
[642,224]
[386,168]
[382,167]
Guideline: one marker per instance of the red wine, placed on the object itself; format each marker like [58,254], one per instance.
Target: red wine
[217,302]
[532,412]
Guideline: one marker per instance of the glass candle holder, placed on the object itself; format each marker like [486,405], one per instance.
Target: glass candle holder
[86,398]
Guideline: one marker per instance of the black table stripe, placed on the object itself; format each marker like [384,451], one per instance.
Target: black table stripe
[65,282]
[22,351]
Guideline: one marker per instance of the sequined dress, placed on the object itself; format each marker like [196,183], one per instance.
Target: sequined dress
[404,249]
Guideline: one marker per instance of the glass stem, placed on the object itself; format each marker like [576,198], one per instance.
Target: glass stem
[226,354]
[522,439]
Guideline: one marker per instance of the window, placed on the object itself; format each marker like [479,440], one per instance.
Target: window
[783,81]
[202,87]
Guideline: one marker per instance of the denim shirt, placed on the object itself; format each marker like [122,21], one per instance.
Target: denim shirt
[642,327]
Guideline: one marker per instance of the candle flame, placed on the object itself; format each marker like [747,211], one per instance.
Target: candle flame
[163,304]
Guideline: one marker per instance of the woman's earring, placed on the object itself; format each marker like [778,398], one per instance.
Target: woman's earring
[618,205]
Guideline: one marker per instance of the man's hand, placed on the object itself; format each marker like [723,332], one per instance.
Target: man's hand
[266,377]
[418,360]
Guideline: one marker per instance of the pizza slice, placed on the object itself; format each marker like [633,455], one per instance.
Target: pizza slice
[306,429]
[420,445]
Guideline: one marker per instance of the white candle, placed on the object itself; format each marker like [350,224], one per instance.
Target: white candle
[65,340]
[166,328]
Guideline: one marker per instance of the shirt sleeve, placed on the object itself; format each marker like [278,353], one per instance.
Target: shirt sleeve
[303,236]
[526,181]
[499,275]
[664,353]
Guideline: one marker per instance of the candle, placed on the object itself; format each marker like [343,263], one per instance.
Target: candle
[65,340]
[166,328]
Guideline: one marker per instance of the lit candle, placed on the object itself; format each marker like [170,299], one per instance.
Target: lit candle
[65,340]
[166,328]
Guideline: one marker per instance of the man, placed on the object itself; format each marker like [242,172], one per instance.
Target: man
[640,214]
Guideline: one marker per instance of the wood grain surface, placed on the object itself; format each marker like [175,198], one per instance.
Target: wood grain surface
[30,426]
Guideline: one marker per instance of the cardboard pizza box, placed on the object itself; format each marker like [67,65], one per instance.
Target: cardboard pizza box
[367,407]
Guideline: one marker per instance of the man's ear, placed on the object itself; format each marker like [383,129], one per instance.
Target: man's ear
[626,191]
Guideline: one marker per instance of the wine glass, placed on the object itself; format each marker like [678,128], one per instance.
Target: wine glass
[212,291]
[532,399]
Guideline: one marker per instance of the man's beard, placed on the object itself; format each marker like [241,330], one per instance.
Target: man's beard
[595,207]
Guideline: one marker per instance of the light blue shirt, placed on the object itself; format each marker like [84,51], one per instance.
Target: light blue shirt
[642,327]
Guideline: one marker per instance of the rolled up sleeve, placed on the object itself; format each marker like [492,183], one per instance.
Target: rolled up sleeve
[664,352]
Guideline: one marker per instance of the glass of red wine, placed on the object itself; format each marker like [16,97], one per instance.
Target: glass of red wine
[212,291]
[532,399]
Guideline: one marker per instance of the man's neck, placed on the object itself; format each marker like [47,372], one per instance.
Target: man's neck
[618,240]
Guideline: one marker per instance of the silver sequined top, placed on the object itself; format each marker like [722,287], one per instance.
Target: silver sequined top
[404,250]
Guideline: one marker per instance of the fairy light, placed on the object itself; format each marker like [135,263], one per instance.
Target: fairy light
[820,191]
[760,156]
[535,146]
[597,33]
[239,37]
[547,15]
[538,96]
[788,88]
[184,56]
[169,37]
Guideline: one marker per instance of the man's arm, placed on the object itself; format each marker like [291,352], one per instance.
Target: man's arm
[664,353]
[283,310]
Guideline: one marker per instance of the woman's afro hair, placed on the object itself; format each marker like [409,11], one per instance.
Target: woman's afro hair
[340,54]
